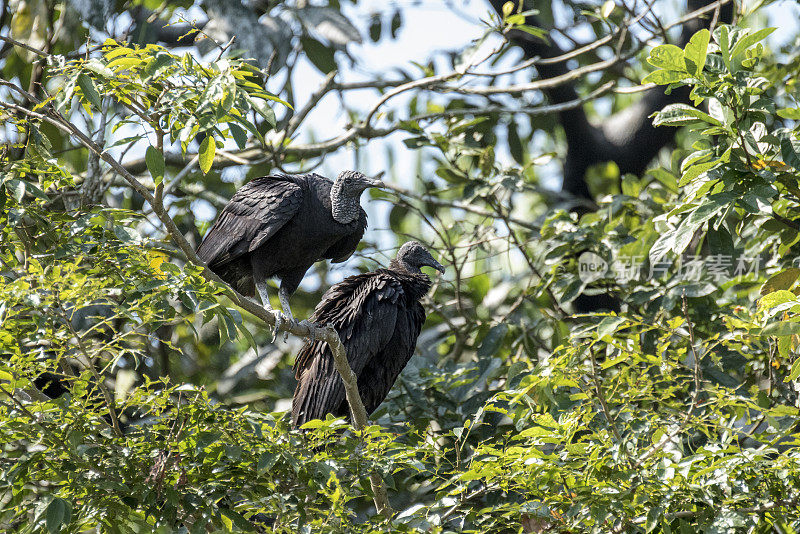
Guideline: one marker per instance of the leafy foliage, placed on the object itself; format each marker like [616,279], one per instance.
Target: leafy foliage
[136,397]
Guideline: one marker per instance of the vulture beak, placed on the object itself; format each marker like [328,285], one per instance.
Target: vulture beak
[436,265]
[376,181]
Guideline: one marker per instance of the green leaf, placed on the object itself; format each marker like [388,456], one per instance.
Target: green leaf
[724,43]
[781,328]
[237,519]
[710,207]
[667,56]
[784,345]
[261,107]
[775,298]
[96,66]
[664,77]
[155,163]
[795,372]
[123,63]
[310,425]
[319,55]
[607,9]
[666,178]
[720,241]
[89,91]
[790,150]
[749,40]
[239,135]
[156,64]
[492,341]
[117,51]
[16,188]
[248,336]
[661,246]
[684,234]
[269,459]
[696,50]
[206,155]
[126,234]
[375,28]
[572,290]
[57,515]
[781,281]
[789,113]
[608,326]
[696,170]
[515,143]
[653,516]
[682,114]
[631,185]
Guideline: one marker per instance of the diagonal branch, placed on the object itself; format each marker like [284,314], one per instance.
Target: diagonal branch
[324,333]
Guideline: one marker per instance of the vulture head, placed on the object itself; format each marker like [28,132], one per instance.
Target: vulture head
[413,255]
[346,192]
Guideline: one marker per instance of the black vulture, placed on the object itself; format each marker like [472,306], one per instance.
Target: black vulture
[280,225]
[378,317]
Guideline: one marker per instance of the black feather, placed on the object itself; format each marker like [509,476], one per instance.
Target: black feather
[278,226]
[378,317]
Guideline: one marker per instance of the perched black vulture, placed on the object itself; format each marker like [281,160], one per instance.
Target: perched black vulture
[280,225]
[378,317]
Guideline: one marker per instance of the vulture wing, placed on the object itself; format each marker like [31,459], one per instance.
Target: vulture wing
[344,248]
[253,215]
[364,310]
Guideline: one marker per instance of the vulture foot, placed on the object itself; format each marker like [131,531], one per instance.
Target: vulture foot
[283,296]
[280,321]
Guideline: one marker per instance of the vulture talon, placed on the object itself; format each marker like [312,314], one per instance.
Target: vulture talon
[289,322]
[279,320]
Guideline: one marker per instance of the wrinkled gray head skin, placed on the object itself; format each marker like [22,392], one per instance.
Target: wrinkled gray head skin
[413,255]
[346,192]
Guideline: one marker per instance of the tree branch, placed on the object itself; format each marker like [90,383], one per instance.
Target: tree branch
[324,333]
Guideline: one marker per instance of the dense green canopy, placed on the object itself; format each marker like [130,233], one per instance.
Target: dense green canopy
[620,355]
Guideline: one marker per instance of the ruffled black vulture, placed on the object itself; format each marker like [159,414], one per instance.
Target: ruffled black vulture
[280,225]
[378,317]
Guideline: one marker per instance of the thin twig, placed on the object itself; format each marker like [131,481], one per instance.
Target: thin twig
[29,48]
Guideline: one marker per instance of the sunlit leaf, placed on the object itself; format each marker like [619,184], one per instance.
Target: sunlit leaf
[206,154]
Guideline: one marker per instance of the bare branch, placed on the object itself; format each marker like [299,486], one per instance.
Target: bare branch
[534,110]
[29,48]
